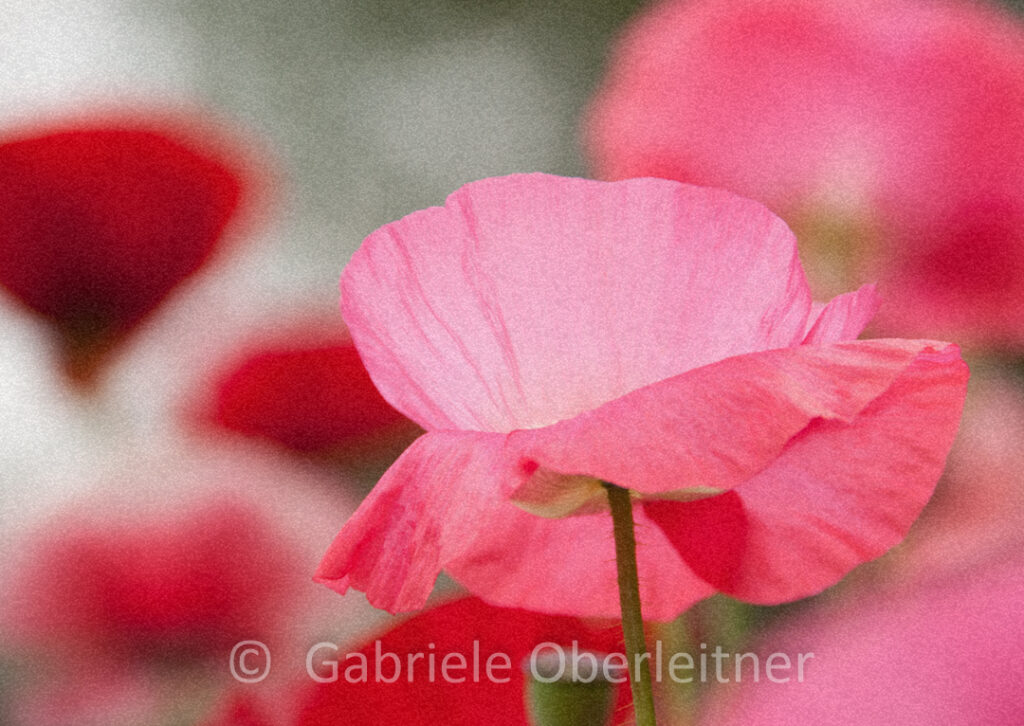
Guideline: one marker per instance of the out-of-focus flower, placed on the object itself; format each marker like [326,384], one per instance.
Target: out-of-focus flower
[194,552]
[190,585]
[310,393]
[976,518]
[860,124]
[552,333]
[492,643]
[947,653]
[101,220]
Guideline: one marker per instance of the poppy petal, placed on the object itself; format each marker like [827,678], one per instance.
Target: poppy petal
[529,299]
[715,427]
[101,222]
[844,317]
[841,493]
[438,507]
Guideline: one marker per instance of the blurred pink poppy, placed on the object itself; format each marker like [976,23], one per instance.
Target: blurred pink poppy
[976,517]
[553,333]
[307,391]
[493,643]
[861,124]
[102,219]
[947,653]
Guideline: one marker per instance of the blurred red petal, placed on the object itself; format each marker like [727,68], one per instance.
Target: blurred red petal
[310,396]
[178,561]
[462,626]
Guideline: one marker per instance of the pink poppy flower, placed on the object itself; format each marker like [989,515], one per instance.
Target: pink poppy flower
[863,127]
[308,392]
[946,653]
[553,333]
[102,220]
[480,634]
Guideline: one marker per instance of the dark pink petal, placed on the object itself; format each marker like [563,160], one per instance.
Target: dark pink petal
[843,491]
[529,299]
[715,427]
[567,565]
[439,507]
[425,511]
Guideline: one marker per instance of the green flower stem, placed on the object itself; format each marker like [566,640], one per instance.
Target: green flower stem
[629,600]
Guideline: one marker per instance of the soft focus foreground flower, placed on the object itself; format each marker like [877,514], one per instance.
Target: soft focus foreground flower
[859,123]
[101,221]
[308,393]
[466,626]
[551,333]
[948,653]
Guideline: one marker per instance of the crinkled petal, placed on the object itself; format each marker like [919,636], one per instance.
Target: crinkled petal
[427,509]
[715,427]
[841,493]
[844,317]
[528,299]
[439,506]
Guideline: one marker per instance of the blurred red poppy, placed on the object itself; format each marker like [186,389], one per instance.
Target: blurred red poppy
[311,394]
[203,549]
[101,220]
